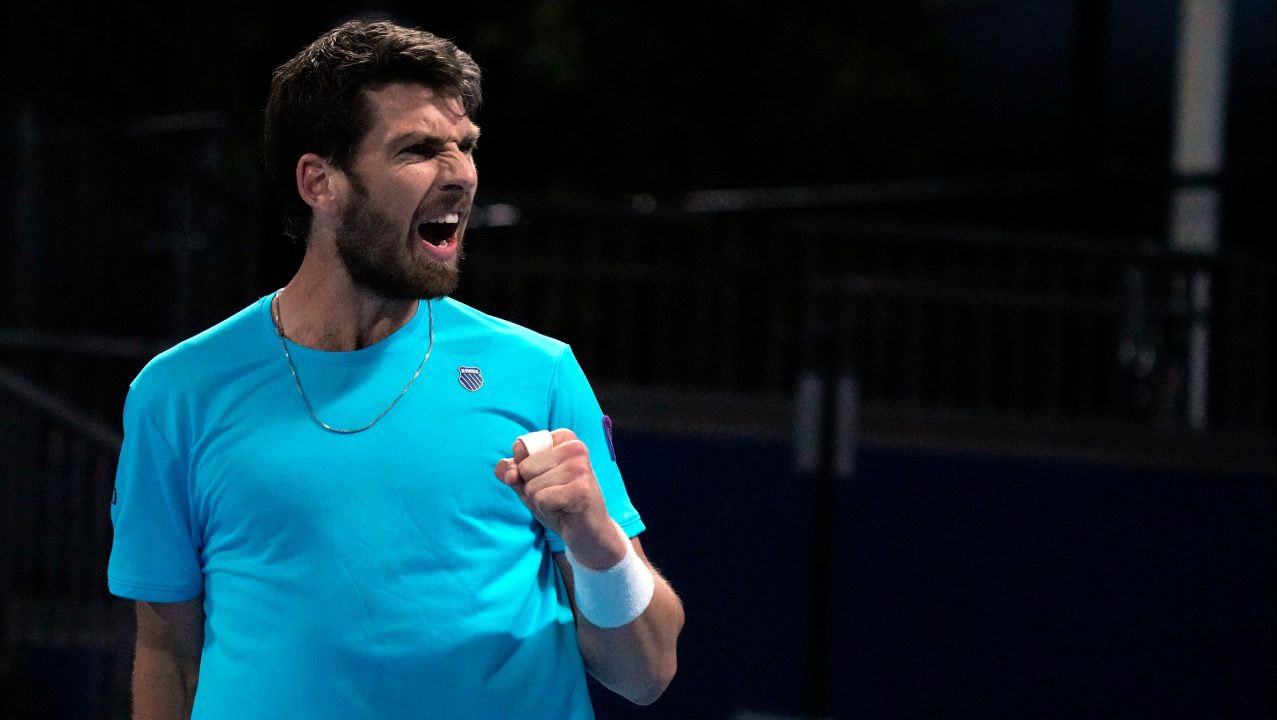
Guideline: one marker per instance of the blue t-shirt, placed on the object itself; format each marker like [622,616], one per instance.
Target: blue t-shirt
[384,574]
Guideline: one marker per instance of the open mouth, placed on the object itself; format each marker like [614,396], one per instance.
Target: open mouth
[439,230]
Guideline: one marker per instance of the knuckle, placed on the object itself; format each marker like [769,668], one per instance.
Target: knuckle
[544,504]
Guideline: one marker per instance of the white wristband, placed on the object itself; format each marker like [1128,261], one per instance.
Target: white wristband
[537,441]
[616,596]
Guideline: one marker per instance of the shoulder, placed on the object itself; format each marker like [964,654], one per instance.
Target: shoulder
[201,360]
[469,326]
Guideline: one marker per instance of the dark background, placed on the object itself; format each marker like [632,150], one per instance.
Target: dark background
[666,97]
[960,204]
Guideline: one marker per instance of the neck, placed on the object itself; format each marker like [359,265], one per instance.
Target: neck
[322,309]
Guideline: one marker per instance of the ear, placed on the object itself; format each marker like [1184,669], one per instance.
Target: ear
[320,184]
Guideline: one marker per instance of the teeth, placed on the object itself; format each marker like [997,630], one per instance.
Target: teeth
[449,218]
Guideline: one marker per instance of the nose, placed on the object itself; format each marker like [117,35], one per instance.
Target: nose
[458,173]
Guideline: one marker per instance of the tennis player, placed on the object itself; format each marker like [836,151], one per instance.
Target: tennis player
[358,497]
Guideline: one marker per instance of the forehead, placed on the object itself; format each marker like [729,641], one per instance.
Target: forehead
[401,108]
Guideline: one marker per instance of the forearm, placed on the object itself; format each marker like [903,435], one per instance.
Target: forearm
[166,665]
[163,685]
[637,660]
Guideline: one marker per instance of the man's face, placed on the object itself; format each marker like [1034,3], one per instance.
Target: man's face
[412,186]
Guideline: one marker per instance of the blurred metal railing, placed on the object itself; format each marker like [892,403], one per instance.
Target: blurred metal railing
[934,320]
[940,323]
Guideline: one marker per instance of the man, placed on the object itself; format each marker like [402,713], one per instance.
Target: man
[306,512]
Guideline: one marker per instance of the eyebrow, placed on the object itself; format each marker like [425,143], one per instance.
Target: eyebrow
[415,137]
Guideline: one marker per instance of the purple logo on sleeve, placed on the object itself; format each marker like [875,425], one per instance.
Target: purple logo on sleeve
[607,432]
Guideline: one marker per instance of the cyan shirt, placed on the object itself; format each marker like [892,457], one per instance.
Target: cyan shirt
[384,574]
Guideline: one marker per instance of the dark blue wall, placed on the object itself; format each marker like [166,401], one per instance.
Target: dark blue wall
[967,586]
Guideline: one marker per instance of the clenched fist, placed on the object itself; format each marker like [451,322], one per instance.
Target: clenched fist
[559,487]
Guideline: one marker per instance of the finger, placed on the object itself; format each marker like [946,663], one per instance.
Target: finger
[533,443]
[562,435]
[557,499]
[519,450]
[507,472]
[552,477]
[567,456]
[567,464]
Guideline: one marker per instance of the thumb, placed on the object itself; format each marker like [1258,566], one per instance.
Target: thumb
[520,451]
[531,443]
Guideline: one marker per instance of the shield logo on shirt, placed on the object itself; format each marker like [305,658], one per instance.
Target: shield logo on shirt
[471,378]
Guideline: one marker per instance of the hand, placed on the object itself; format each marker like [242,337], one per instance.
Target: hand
[559,487]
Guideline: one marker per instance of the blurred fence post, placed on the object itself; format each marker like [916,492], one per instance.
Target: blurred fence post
[1197,159]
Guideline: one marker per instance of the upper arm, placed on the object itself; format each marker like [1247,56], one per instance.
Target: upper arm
[155,553]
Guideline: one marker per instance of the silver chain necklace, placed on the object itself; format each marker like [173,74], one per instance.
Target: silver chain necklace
[279,331]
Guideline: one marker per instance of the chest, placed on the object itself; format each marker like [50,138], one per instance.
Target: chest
[265,474]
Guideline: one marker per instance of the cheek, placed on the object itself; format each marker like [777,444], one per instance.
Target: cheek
[404,195]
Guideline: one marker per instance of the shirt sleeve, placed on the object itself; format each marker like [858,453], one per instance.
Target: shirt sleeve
[574,406]
[155,554]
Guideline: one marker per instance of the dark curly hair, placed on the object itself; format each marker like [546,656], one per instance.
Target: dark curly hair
[317,101]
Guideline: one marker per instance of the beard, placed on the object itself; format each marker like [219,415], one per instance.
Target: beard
[379,257]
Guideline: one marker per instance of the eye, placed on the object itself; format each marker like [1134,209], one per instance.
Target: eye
[422,149]
[468,146]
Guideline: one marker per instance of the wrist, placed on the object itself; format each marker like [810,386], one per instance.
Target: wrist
[617,594]
[597,545]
